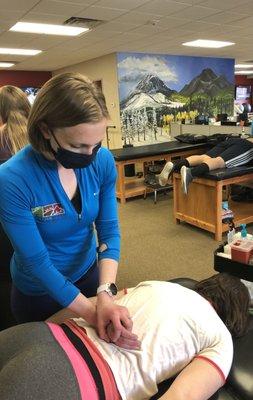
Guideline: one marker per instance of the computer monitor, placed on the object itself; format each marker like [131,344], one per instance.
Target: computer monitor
[242,92]
[31,92]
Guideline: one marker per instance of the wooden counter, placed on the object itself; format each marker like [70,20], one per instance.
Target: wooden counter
[134,186]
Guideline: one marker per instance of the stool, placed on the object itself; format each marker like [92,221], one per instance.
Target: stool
[156,188]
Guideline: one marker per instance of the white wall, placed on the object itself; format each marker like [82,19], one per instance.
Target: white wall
[104,69]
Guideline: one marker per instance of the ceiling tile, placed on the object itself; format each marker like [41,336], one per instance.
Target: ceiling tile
[15,39]
[224,17]
[10,15]
[137,18]
[173,22]
[163,7]
[198,26]
[44,42]
[242,7]
[149,29]
[154,26]
[116,27]
[246,22]
[18,5]
[42,18]
[101,13]
[197,12]
[58,8]
[81,2]
[127,4]
[222,5]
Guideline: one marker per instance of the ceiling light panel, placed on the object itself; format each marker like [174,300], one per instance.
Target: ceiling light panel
[214,44]
[244,72]
[19,52]
[48,29]
[243,65]
[6,65]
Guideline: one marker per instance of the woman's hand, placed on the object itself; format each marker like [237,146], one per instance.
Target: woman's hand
[114,323]
[127,340]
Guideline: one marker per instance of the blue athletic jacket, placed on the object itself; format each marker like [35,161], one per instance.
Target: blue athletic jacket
[53,245]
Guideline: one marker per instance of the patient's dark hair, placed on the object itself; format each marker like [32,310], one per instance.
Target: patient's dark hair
[230,298]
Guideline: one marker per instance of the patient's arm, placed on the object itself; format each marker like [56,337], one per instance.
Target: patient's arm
[199,380]
[66,313]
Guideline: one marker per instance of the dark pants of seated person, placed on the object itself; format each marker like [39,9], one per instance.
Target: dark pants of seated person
[234,152]
[33,366]
[27,308]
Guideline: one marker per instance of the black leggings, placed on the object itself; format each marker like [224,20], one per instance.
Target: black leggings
[30,354]
[27,308]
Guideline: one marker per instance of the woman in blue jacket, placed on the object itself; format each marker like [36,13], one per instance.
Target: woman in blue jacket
[58,207]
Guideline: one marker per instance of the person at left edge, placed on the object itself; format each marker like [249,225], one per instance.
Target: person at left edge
[54,194]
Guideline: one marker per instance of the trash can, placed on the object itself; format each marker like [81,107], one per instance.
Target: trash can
[130,168]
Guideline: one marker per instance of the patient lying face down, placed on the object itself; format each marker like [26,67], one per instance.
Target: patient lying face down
[180,331]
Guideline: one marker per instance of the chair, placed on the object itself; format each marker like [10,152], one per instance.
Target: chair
[156,188]
[151,181]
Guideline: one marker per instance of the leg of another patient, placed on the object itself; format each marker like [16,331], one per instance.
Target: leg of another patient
[198,170]
[208,164]
[33,366]
[213,163]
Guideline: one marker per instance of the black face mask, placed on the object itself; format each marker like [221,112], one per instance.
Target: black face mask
[71,160]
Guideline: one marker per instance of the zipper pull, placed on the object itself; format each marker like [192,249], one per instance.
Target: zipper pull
[79,216]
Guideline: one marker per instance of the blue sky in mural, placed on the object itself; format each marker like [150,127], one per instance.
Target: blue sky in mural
[175,71]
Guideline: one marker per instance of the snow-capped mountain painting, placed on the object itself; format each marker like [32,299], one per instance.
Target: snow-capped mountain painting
[156,89]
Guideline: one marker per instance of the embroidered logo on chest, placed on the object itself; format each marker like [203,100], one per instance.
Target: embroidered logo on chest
[50,210]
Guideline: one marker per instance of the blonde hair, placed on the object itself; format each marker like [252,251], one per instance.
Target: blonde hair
[66,100]
[14,111]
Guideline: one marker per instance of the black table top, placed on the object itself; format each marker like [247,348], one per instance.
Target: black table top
[226,173]
[130,153]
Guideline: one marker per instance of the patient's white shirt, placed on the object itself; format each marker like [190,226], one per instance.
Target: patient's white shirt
[174,325]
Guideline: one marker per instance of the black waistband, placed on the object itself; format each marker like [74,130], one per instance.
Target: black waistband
[81,348]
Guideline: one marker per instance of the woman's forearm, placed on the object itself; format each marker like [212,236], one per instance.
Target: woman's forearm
[67,313]
[85,308]
[107,270]
[199,380]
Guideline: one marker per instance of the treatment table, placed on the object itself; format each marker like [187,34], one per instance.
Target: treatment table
[134,186]
[202,206]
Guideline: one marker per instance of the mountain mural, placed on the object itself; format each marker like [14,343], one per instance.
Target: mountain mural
[207,83]
[158,90]
[151,91]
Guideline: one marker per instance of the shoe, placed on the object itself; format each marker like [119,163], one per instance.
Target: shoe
[165,174]
[186,178]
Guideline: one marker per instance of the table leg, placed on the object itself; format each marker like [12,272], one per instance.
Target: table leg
[218,205]
[121,183]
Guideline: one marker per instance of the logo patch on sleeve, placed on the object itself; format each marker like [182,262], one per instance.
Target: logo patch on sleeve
[50,210]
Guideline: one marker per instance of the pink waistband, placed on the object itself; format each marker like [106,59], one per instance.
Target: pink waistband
[111,391]
[87,385]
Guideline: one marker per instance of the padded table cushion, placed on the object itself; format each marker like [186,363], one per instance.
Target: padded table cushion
[239,385]
[240,378]
[130,153]
[225,173]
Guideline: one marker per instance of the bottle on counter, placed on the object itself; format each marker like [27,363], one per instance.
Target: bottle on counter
[244,232]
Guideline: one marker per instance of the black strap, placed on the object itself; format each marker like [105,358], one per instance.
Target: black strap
[81,348]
